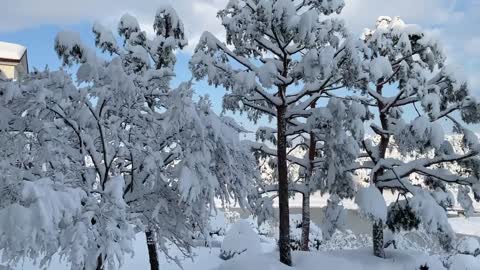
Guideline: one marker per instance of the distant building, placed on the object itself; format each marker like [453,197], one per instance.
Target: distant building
[13,61]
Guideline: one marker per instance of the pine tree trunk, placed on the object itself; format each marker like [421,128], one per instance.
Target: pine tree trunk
[306,196]
[377,236]
[377,230]
[305,222]
[99,262]
[284,215]
[152,250]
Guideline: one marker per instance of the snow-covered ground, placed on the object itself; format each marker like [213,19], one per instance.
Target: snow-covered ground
[339,260]
[318,200]
[208,258]
[468,226]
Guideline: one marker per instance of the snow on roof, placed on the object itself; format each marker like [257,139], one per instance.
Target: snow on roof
[11,51]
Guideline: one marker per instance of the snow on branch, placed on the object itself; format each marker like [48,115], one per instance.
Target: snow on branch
[272,152]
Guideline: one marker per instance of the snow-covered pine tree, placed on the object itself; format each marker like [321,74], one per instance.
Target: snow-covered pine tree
[337,130]
[408,76]
[278,44]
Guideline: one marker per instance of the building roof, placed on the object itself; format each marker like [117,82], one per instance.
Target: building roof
[11,51]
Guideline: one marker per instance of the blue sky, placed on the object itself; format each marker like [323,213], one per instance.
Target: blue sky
[34,24]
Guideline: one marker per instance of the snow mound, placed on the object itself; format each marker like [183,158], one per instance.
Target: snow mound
[464,225]
[255,262]
[240,239]
[339,260]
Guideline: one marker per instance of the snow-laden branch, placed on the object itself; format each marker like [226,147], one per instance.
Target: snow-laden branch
[294,187]
[421,165]
[211,39]
[103,141]
[446,176]
[261,108]
[272,152]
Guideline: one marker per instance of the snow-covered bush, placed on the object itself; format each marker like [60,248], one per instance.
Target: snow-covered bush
[296,234]
[221,221]
[415,240]
[263,229]
[468,245]
[231,216]
[346,240]
[433,218]
[215,230]
[217,224]
[463,262]
[241,238]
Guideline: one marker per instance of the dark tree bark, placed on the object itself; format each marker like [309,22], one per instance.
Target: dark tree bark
[377,236]
[100,262]
[152,250]
[305,240]
[284,213]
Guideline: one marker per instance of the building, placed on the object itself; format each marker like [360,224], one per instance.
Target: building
[13,61]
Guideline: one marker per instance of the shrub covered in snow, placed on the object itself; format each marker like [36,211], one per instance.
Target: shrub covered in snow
[415,240]
[296,234]
[231,216]
[463,262]
[468,245]
[263,229]
[241,238]
[346,240]
[217,224]
[214,232]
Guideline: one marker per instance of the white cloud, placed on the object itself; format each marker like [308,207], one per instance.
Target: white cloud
[455,22]
[198,15]
[474,83]
[472,47]
[361,14]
